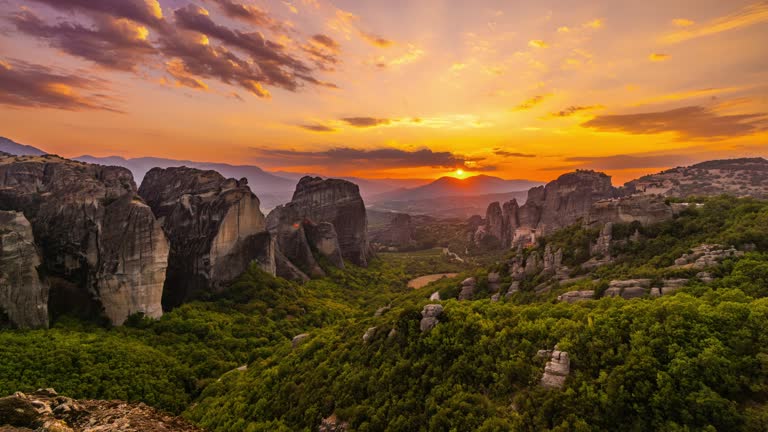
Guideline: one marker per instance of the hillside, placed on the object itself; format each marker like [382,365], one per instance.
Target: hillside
[739,177]
[447,207]
[14,148]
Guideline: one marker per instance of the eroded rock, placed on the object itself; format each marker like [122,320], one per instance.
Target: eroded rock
[557,370]
[430,315]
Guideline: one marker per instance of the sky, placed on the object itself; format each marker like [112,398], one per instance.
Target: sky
[390,89]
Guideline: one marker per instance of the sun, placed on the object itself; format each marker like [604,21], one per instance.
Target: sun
[459,172]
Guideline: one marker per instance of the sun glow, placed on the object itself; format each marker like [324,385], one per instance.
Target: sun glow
[459,173]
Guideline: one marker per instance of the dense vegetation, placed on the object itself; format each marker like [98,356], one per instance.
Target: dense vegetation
[695,360]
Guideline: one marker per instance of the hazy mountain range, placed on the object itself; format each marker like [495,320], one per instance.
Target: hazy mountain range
[446,196]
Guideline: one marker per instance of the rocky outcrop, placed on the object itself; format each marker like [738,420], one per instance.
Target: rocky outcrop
[430,315]
[646,209]
[398,233]
[557,369]
[214,226]
[575,296]
[628,289]
[299,339]
[339,203]
[46,411]
[23,293]
[467,288]
[99,242]
[369,334]
[602,246]
[738,177]
[333,424]
[707,255]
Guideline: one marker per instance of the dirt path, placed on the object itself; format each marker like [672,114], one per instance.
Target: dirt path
[424,280]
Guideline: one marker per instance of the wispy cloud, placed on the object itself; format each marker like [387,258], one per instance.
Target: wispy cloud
[530,103]
[35,86]
[658,57]
[750,15]
[575,109]
[691,122]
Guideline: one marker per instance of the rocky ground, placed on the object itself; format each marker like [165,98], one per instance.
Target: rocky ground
[46,411]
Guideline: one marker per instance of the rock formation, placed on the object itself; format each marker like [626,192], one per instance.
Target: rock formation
[339,203]
[574,296]
[646,209]
[214,226]
[46,411]
[557,369]
[398,233]
[467,288]
[706,255]
[430,315]
[23,294]
[99,242]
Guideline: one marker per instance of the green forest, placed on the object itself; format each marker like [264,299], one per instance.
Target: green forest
[696,360]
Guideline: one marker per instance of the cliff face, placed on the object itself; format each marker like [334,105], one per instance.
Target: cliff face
[325,216]
[339,203]
[99,243]
[23,294]
[214,226]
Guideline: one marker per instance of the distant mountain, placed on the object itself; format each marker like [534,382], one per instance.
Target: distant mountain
[739,177]
[12,147]
[369,188]
[272,190]
[448,207]
[454,187]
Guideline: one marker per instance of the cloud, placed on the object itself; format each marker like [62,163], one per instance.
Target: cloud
[249,13]
[682,22]
[323,51]
[747,16]
[504,153]
[35,86]
[625,162]
[146,12]
[412,55]
[317,128]
[594,24]
[178,71]
[575,109]
[376,40]
[530,103]
[380,158]
[689,122]
[346,23]
[537,43]
[364,122]
[656,57]
[113,43]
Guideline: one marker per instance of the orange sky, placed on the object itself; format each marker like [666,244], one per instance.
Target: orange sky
[399,88]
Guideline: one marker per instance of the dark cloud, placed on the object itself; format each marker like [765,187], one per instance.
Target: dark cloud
[35,86]
[142,11]
[376,40]
[323,51]
[249,13]
[365,121]
[687,122]
[530,103]
[504,153]
[111,43]
[377,158]
[573,109]
[624,162]
[317,128]
[276,67]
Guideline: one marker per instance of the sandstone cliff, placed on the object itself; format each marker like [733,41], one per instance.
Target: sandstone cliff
[23,294]
[214,226]
[100,244]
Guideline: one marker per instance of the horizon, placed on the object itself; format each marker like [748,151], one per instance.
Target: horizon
[390,91]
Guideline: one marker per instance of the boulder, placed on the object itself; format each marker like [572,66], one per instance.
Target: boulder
[557,370]
[575,296]
[435,296]
[369,334]
[23,293]
[99,243]
[430,315]
[299,339]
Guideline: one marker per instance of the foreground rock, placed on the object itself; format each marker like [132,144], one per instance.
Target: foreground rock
[430,315]
[99,242]
[214,226]
[23,294]
[45,411]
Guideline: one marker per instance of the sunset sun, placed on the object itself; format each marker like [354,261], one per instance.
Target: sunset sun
[459,173]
